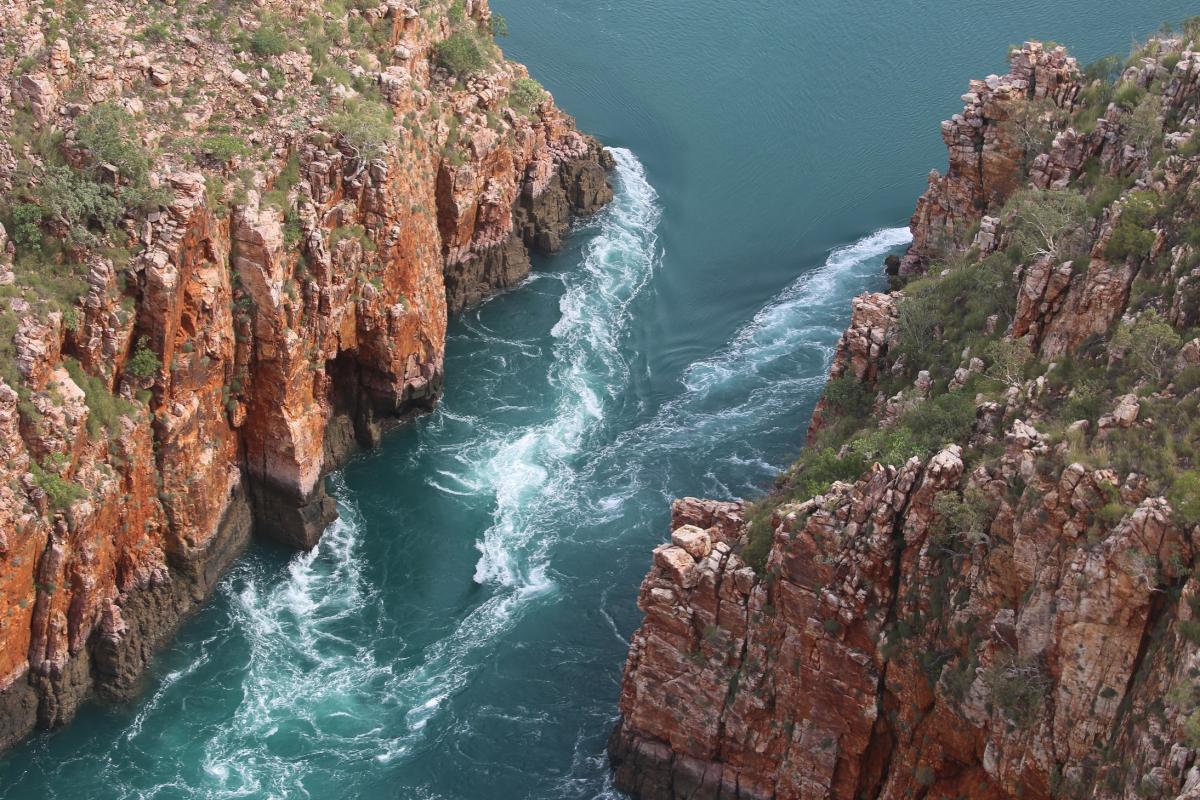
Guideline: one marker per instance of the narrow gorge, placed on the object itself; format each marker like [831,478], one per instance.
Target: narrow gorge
[349,387]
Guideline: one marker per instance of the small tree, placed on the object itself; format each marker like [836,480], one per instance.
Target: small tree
[1133,235]
[144,363]
[1049,222]
[27,225]
[1145,129]
[75,202]
[1019,687]
[1034,124]
[1150,345]
[966,518]
[270,40]
[365,125]
[462,53]
[1008,357]
[526,94]
[109,134]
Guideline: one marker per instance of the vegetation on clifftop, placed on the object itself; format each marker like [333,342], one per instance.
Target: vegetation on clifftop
[953,334]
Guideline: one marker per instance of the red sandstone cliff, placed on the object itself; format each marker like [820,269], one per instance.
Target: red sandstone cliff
[979,581]
[284,302]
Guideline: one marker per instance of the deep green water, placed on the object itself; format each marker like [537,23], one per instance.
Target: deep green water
[460,632]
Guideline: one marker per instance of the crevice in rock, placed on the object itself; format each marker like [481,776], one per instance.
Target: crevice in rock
[877,759]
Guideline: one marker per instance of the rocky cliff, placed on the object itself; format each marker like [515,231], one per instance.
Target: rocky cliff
[230,237]
[980,579]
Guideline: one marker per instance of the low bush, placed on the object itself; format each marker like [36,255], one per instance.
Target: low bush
[1133,236]
[270,40]
[1018,687]
[365,125]
[1185,497]
[463,53]
[109,134]
[104,409]
[59,491]
[143,364]
[25,226]
[526,94]
[224,147]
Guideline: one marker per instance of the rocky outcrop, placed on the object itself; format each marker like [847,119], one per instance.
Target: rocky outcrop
[283,301]
[979,581]
[861,351]
[987,145]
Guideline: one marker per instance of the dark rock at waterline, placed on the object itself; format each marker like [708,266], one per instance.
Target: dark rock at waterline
[891,265]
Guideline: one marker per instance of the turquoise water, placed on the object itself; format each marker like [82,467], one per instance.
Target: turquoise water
[461,630]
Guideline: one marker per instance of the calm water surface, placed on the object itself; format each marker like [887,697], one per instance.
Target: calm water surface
[460,632]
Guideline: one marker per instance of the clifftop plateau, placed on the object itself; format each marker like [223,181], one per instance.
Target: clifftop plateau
[230,237]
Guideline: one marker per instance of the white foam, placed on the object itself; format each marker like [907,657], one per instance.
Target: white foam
[308,675]
[532,467]
[798,315]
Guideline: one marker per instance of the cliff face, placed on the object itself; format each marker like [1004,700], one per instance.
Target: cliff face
[979,579]
[303,194]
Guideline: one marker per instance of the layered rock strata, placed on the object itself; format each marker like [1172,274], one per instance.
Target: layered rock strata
[317,215]
[980,580]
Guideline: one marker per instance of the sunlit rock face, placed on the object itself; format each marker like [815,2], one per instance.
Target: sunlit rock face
[283,301]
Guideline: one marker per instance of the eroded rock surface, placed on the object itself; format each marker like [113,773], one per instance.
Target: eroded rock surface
[979,581]
[283,301]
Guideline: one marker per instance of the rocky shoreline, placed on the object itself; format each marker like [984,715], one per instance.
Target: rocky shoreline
[978,581]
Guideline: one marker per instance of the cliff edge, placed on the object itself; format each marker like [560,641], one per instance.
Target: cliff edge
[230,238]
[979,580]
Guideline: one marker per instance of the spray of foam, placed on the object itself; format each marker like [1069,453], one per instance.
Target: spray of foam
[533,467]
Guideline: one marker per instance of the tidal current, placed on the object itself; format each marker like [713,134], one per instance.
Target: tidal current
[461,629]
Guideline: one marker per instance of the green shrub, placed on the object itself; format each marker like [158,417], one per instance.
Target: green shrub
[143,364]
[1191,729]
[1105,192]
[104,409]
[1132,237]
[224,147]
[332,73]
[26,228]
[270,40]
[956,305]
[463,53]
[1128,94]
[965,517]
[77,202]
[526,94]
[818,468]
[59,491]
[109,134]
[1018,687]
[887,446]
[365,125]
[848,397]
[1149,344]
[1185,497]
[345,232]
[1106,69]
[760,536]
[1048,222]
[156,32]
[943,420]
